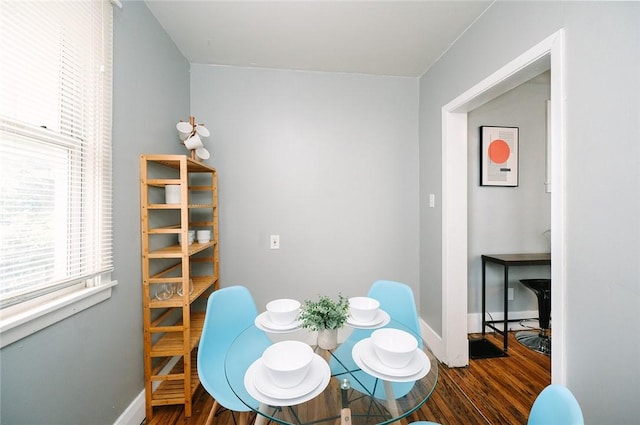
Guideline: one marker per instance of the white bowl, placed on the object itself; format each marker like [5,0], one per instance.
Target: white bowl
[394,348]
[287,362]
[283,311]
[363,309]
[191,237]
[203,236]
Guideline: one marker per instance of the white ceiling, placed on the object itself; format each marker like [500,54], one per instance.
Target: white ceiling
[401,38]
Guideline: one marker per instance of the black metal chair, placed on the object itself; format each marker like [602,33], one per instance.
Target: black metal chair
[539,341]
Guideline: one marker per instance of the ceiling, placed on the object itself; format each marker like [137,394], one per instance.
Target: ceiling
[400,38]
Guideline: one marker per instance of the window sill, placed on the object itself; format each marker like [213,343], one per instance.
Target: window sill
[19,325]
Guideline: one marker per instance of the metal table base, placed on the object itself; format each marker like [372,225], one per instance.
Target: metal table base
[506,260]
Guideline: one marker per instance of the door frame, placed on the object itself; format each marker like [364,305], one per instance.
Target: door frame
[548,54]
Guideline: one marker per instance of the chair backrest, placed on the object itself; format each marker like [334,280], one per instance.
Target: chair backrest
[555,405]
[397,299]
[229,312]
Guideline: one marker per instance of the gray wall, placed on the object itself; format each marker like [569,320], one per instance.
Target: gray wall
[509,219]
[87,369]
[602,182]
[328,161]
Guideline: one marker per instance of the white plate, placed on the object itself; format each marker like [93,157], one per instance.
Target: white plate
[319,372]
[370,358]
[381,319]
[358,349]
[262,322]
[263,383]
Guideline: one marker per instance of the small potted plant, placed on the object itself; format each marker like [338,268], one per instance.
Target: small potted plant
[325,316]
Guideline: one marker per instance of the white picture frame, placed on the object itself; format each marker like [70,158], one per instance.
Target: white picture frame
[499,156]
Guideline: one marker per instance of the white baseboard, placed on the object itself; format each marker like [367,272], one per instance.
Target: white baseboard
[134,414]
[433,340]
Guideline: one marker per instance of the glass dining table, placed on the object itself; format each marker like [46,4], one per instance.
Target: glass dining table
[347,384]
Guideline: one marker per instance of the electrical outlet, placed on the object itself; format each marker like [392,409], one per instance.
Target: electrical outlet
[510,294]
[275,242]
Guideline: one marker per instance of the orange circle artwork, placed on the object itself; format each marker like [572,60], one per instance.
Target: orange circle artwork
[499,151]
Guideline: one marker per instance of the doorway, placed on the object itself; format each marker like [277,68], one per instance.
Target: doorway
[548,54]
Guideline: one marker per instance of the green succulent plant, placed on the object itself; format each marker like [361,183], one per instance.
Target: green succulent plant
[325,313]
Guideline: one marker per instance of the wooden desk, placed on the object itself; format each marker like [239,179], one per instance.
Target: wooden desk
[506,260]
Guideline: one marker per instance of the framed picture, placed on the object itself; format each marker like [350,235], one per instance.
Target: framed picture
[498,156]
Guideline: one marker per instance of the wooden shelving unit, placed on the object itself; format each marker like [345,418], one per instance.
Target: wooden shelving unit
[172,326]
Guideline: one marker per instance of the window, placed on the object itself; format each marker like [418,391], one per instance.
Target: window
[55,158]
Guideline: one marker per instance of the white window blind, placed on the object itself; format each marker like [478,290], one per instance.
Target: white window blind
[55,146]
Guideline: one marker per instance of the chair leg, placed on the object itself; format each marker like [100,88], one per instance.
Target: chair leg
[212,413]
[243,418]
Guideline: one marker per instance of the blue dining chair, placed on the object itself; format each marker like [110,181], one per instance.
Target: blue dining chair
[555,405]
[424,423]
[229,312]
[398,301]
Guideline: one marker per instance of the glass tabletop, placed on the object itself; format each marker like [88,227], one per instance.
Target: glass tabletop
[342,382]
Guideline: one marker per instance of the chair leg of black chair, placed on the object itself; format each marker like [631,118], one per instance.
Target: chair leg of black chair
[539,341]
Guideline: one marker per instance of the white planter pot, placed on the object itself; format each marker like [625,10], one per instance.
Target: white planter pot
[328,339]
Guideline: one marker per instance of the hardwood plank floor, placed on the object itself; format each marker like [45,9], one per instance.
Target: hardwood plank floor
[494,391]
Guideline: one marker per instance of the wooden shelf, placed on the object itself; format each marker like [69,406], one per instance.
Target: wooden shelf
[175,330]
[172,343]
[176,161]
[200,284]
[172,391]
[175,251]
[175,228]
[178,206]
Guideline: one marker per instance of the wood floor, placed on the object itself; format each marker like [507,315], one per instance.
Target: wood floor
[494,391]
